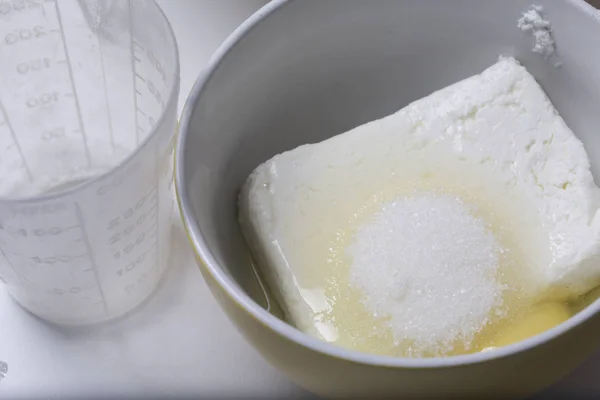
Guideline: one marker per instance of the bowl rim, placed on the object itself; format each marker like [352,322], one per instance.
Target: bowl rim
[244,302]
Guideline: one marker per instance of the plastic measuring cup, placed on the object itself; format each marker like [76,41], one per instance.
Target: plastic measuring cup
[88,102]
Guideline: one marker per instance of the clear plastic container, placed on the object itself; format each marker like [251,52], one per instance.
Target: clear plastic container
[87,120]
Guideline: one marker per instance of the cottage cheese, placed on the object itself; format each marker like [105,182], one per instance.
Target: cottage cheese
[535,22]
[493,140]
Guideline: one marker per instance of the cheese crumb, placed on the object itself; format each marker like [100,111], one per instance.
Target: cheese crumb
[534,21]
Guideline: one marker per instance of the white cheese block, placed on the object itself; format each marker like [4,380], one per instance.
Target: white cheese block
[493,140]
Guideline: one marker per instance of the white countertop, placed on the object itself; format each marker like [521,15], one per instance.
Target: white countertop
[179,343]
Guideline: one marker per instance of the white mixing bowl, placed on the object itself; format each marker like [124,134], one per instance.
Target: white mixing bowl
[301,71]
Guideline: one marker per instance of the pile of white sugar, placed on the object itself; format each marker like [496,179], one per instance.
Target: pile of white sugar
[430,266]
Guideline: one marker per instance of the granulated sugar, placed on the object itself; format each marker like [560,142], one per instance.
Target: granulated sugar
[428,267]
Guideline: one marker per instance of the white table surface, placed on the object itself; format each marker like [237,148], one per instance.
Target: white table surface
[179,343]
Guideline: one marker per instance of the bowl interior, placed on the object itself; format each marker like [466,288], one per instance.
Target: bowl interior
[312,69]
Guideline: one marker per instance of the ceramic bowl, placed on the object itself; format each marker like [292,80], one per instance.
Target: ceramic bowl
[300,71]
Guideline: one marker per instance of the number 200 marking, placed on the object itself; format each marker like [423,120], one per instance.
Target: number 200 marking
[24,34]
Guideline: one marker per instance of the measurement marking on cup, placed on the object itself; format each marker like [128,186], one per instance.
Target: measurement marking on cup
[89,287]
[90,253]
[57,259]
[72,79]
[106,102]
[43,231]
[16,142]
[135,44]
[133,58]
